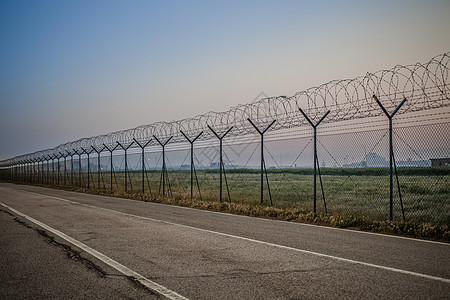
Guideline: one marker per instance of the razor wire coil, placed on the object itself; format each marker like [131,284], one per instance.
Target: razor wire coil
[426,86]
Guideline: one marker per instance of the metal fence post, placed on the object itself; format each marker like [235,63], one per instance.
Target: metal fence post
[126,162]
[164,170]
[261,133]
[221,167]
[192,158]
[142,146]
[111,162]
[391,155]
[315,155]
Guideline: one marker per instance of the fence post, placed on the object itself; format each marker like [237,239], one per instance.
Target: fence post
[26,169]
[221,167]
[261,133]
[79,166]
[164,170]
[57,177]
[142,146]
[126,163]
[111,161]
[53,169]
[39,170]
[98,164]
[48,170]
[88,163]
[65,169]
[391,156]
[71,167]
[315,156]
[192,159]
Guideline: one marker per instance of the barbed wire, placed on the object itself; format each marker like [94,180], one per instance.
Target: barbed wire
[425,85]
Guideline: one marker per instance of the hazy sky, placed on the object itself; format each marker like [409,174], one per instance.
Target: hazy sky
[73,69]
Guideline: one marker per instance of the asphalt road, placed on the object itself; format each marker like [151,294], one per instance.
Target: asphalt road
[57,243]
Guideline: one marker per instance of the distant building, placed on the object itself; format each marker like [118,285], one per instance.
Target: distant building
[440,162]
[375,160]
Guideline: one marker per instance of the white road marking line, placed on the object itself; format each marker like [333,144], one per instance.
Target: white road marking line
[107,260]
[445,280]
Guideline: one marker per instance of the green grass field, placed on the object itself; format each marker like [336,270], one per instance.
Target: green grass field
[348,192]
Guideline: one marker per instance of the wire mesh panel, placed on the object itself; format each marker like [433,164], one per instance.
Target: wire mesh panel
[360,161]
[352,177]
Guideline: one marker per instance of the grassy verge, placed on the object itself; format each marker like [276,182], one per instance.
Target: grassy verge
[348,192]
[356,222]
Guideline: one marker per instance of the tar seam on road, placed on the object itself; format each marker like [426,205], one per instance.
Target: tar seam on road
[445,280]
[107,260]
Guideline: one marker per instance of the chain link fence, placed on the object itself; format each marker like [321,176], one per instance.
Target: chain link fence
[352,169]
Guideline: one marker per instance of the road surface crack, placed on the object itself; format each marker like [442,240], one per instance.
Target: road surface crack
[75,255]
[72,253]
[7,212]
